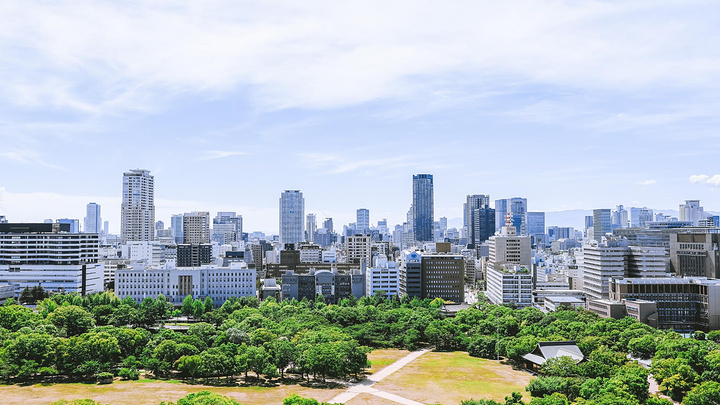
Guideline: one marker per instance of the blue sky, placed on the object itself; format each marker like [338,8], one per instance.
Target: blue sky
[573,105]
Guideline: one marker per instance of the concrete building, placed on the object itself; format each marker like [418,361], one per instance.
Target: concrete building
[333,286]
[423,207]
[443,276]
[560,232]
[74,224]
[310,253]
[7,291]
[410,274]
[620,217]
[194,255]
[93,221]
[599,263]
[218,283]
[509,284]
[695,254]
[227,227]
[137,211]
[48,255]
[358,247]
[154,254]
[196,227]
[692,212]
[292,216]
[384,276]
[646,262]
[683,304]
[508,248]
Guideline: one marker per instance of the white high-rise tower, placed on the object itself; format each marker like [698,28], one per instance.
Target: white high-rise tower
[292,217]
[137,212]
[93,222]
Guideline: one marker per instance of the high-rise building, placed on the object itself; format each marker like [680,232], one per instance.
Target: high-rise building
[359,247]
[474,202]
[423,207]
[137,212]
[227,227]
[292,217]
[515,206]
[176,223]
[196,227]
[106,228]
[619,217]
[159,225]
[93,222]
[695,254]
[328,225]
[311,227]
[536,227]
[602,224]
[692,211]
[508,249]
[363,221]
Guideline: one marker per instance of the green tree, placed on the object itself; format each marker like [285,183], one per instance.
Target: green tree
[562,366]
[72,319]
[187,308]
[208,304]
[707,393]
[204,398]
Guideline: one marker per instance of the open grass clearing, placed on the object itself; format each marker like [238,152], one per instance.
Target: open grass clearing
[450,377]
[369,399]
[152,393]
[381,358]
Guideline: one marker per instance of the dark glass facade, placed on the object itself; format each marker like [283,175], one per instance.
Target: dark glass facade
[423,207]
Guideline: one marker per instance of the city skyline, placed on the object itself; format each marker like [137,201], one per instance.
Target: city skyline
[590,121]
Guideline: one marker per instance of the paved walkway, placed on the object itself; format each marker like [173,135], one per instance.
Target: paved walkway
[366,385]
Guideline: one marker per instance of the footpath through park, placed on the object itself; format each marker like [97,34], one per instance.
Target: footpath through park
[366,386]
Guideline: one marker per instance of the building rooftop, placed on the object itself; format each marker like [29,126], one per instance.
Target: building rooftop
[668,280]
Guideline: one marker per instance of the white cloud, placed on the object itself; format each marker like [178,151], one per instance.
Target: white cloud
[219,154]
[698,178]
[714,180]
[109,56]
[648,182]
[705,179]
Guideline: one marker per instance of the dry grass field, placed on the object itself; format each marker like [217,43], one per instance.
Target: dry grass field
[448,378]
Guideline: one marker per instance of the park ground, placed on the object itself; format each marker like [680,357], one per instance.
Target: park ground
[435,377]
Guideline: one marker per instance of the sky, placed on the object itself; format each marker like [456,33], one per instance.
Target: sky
[573,105]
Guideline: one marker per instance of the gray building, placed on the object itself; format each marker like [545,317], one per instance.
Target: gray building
[695,254]
[137,211]
[93,222]
[334,287]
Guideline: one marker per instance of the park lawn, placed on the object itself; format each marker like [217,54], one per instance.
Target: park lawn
[151,393]
[451,377]
[381,358]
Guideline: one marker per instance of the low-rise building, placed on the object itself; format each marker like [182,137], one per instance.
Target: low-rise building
[218,283]
[384,276]
[510,285]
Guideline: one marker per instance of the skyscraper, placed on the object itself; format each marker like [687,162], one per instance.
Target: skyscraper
[536,227]
[292,217]
[137,212]
[363,221]
[423,207]
[602,223]
[93,222]
[176,223]
[480,218]
[311,227]
[196,227]
[518,208]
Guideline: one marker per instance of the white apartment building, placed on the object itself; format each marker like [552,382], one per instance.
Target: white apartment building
[508,248]
[137,212]
[154,254]
[310,253]
[600,262]
[47,255]
[510,285]
[218,283]
[358,247]
[384,276]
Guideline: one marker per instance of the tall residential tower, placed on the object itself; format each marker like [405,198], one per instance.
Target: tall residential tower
[292,217]
[137,212]
[423,207]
